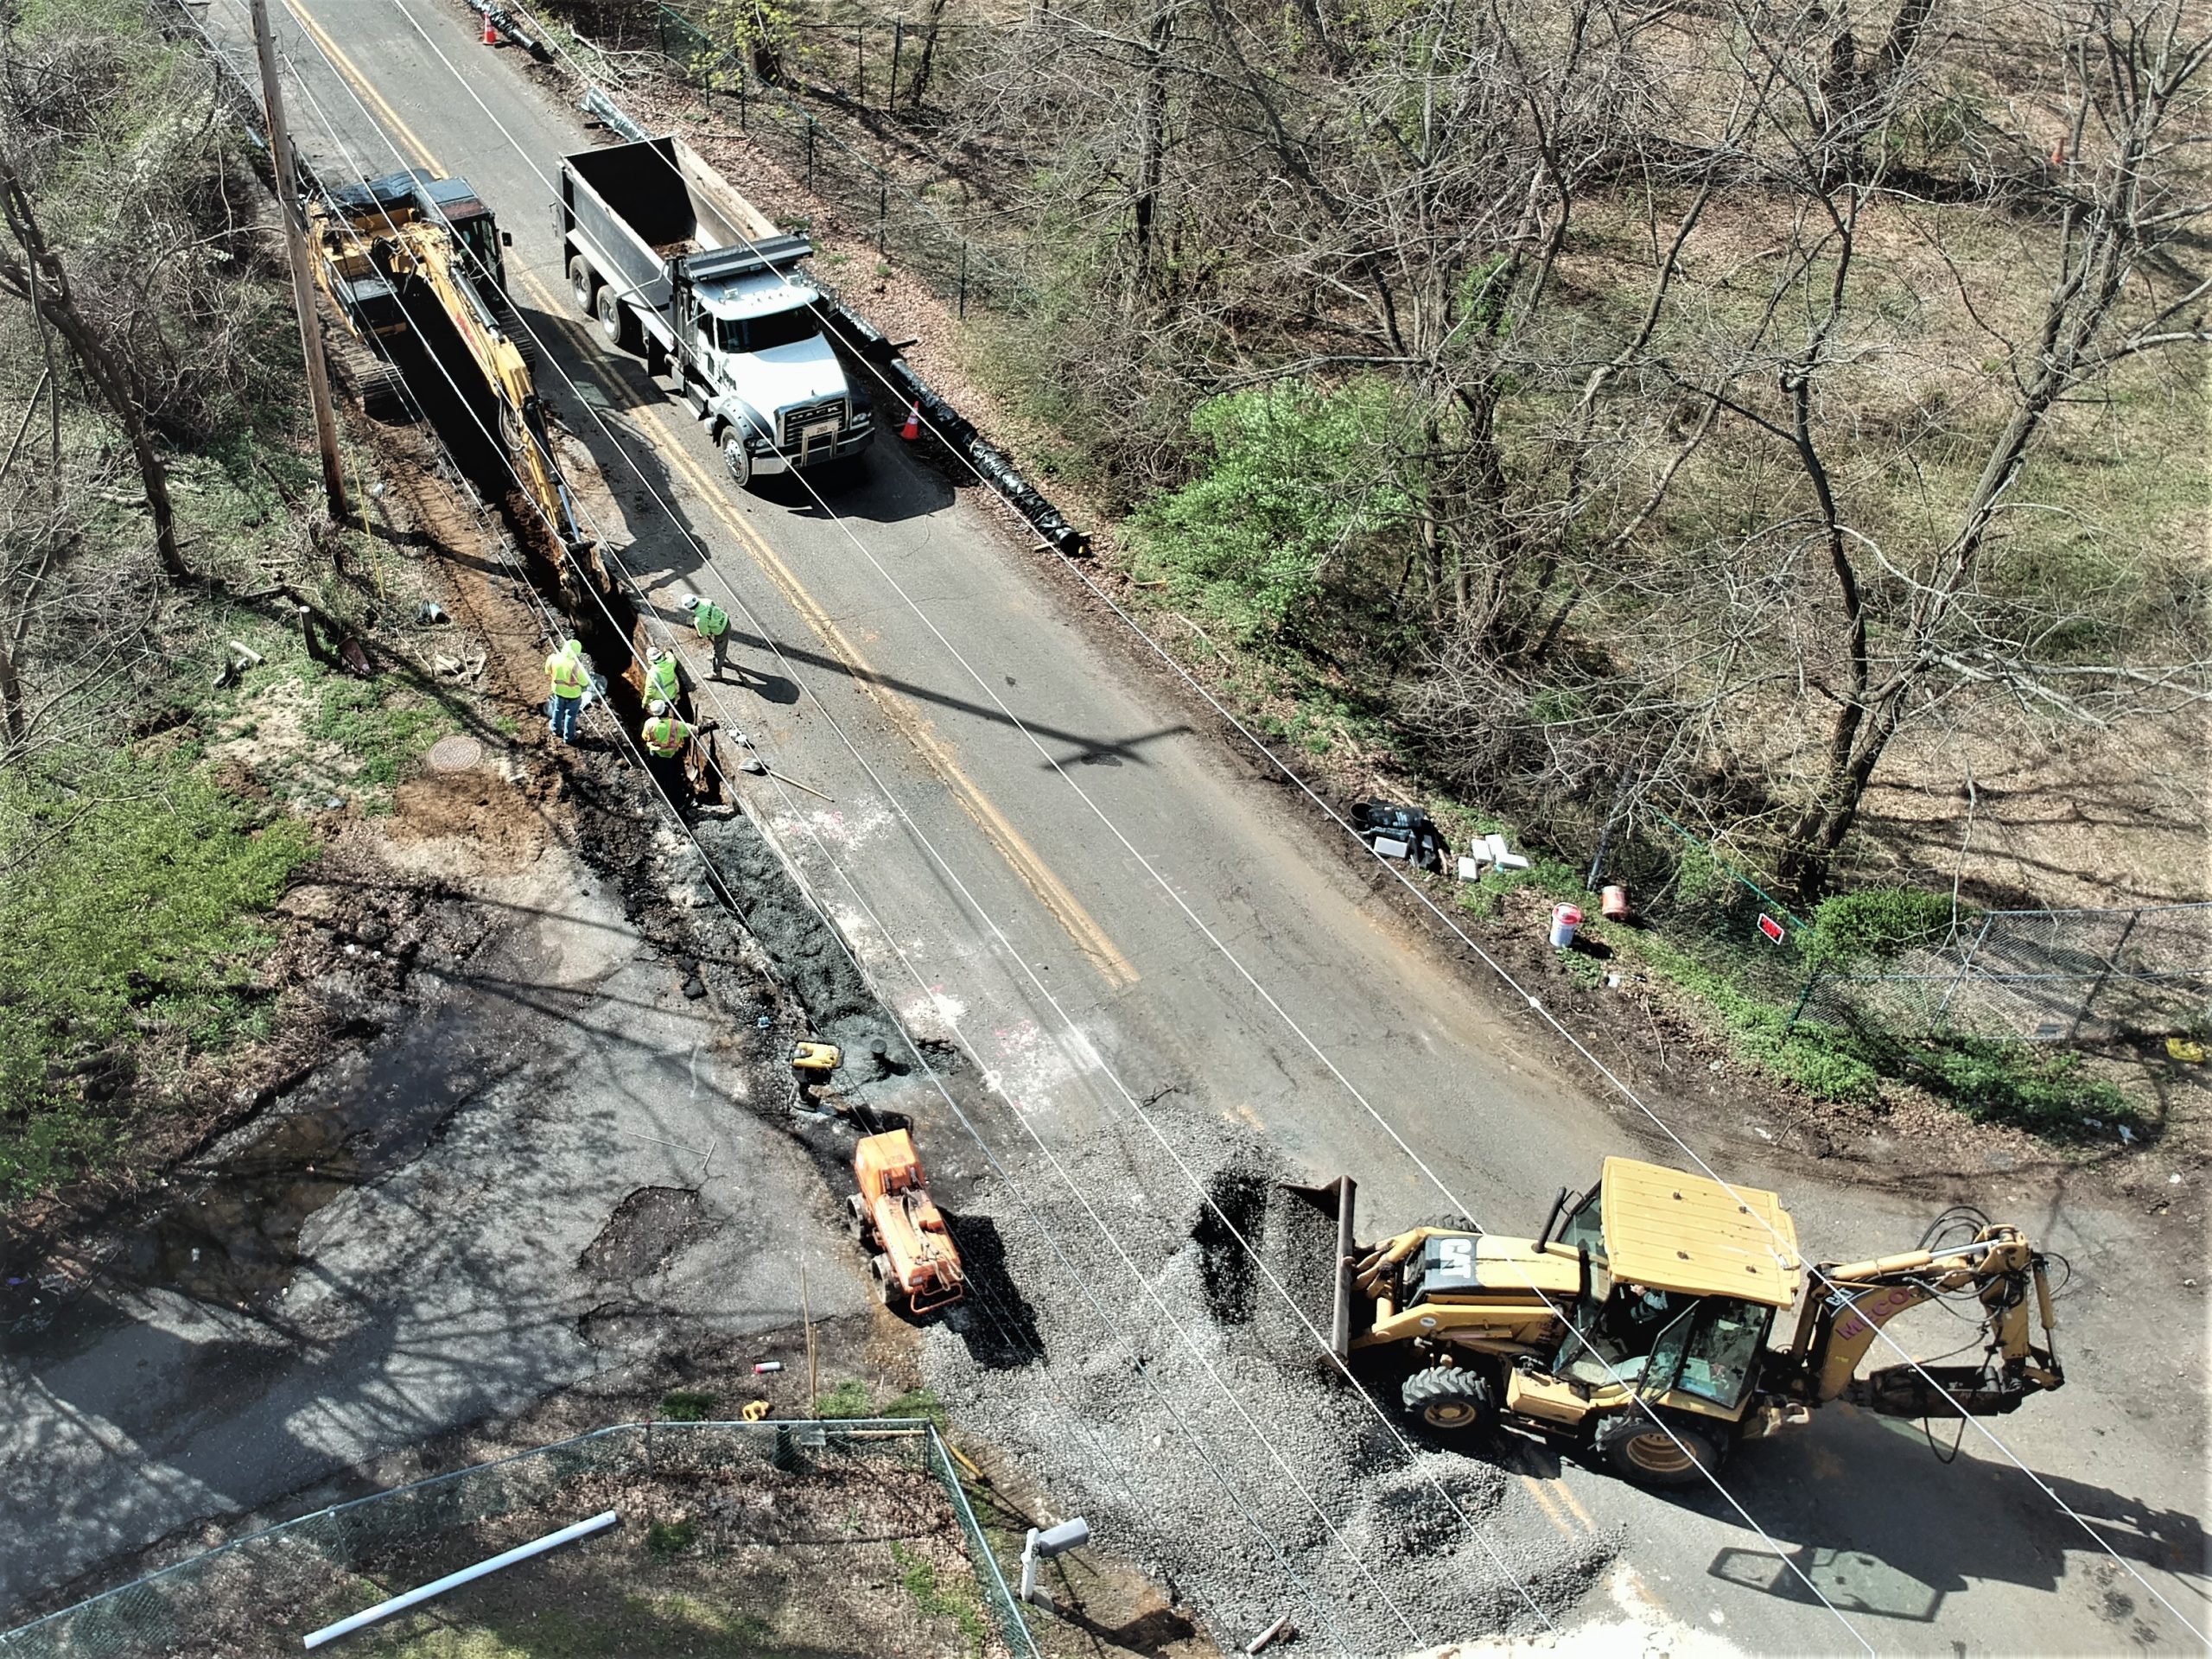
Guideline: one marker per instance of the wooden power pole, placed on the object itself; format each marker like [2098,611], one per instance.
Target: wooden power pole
[287,202]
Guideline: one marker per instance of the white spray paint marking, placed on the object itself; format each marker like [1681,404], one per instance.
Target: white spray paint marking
[851,826]
[1033,1062]
[931,1016]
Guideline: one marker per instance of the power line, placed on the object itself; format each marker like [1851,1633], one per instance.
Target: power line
[1320,1606]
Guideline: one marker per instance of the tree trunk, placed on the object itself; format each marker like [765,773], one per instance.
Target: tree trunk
[1151,151]
[42,282]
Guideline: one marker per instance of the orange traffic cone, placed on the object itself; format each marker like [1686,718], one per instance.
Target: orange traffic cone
[912,429]
[490,35]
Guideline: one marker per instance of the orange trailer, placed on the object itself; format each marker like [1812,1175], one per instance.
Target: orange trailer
[916,1266]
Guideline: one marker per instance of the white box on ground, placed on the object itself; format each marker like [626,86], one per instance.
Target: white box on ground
[1388,848]
[1471,869]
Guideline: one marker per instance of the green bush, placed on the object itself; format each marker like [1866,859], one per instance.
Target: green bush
[1872,925]
[129,905]
[1295,476]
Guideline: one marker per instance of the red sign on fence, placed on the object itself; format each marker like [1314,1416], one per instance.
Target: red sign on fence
[1769,926]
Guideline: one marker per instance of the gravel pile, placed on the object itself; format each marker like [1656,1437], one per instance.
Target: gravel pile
[1170,1397]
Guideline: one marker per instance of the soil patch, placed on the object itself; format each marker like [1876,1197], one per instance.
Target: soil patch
[647,1228]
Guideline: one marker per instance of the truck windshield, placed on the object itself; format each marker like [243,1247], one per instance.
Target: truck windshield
[766,334]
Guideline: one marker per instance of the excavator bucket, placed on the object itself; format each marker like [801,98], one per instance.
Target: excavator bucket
[1330,1256]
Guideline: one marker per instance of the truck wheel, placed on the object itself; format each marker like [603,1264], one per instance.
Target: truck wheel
[735,456]
[582,283]
[1638,1447]
[1449,1397]
[617,324]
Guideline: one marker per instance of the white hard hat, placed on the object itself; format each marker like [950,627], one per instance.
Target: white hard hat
[658,654]
[690,601]
[657,708]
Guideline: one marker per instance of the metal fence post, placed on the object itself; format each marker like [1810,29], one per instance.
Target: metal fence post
[1805,996]
[898,46]
[964,281]
[740,95]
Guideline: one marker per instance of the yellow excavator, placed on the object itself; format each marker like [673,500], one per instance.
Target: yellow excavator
[384,245]
[1637,1324]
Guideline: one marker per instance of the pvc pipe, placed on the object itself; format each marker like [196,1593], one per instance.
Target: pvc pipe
[452,1581]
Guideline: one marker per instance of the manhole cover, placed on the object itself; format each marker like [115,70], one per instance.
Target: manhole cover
[455,754]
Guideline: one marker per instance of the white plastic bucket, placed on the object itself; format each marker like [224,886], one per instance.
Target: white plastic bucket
[1565,919]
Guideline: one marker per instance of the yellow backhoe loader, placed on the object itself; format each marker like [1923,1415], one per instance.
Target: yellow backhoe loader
[388,248]
[1639,1324]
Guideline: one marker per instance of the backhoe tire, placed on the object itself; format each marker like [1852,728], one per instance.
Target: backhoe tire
[618,324]
[582,285]
[1679,1452]
[1449,1397]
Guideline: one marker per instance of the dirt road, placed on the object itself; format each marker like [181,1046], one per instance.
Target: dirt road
[1054,865]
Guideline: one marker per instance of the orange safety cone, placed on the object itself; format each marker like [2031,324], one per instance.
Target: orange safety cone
[912,429]
[490,35]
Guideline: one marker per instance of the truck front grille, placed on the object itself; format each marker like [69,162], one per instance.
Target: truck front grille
[829,412]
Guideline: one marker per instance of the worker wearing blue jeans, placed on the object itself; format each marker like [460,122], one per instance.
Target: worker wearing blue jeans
[565,669]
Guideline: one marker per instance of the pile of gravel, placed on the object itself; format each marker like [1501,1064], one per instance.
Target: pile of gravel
[1135,1358]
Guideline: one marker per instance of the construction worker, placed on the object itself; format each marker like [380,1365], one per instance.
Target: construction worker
[570,676]
[663,684]
[667,736]
[713,624]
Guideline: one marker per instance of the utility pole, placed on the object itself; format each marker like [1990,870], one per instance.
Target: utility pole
[288,203]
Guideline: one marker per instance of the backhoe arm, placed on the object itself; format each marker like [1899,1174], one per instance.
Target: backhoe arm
[1852,1302]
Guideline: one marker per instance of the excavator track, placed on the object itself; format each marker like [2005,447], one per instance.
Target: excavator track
[510,324]
[368,377]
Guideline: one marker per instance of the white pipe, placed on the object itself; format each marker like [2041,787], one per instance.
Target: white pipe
[401,1603]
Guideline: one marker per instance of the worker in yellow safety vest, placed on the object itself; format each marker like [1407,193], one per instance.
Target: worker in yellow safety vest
[667,736]
[712,623]
[663,684]
[570,675]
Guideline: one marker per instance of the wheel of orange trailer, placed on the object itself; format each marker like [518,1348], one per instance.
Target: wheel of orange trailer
[888,1290]
[856,1216]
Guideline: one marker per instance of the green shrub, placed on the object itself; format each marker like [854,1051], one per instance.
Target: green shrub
[1872,925]
[1294,476]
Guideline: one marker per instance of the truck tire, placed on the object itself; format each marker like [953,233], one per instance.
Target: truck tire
[1637,1447]
[736,459]
[1449,1397]
[618,324]
[583,287]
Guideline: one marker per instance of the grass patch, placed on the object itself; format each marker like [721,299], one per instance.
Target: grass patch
[129,908]
[666,1538]
[848,1398]
[684,1406]
[387,730]
[959,1601]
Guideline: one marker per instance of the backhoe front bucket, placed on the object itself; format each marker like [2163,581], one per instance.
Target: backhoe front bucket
[1337,1200]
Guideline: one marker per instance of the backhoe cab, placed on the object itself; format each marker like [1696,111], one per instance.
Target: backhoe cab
[1639,1324]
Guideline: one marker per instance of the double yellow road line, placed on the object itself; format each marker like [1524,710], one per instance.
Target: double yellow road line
[1038,876]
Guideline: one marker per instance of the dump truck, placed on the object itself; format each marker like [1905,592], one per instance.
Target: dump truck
[673,263]
[1638,1324]
[915,1265]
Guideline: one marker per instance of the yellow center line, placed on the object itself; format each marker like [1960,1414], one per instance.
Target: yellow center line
[1038,876]
[1568,1498]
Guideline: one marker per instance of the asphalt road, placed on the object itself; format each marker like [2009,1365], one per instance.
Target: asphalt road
[1034,842]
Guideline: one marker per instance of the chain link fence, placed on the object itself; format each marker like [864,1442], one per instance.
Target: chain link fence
[311,1570]
[2047,975]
